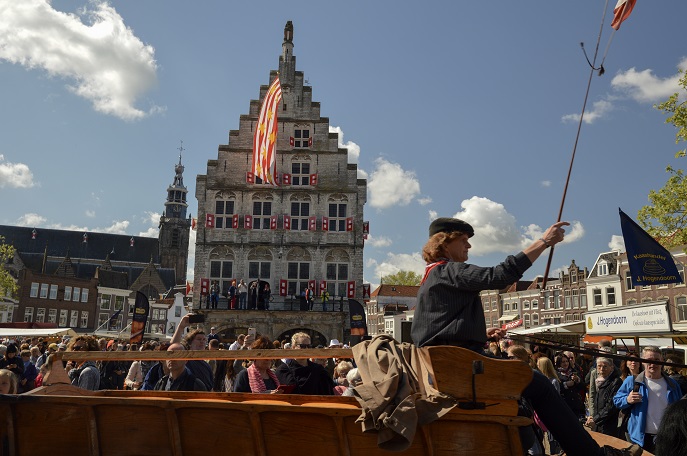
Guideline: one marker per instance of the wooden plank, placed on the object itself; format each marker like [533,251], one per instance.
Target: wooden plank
[173,431]
[7,429]
[93,437]
[452,373]
[204,354]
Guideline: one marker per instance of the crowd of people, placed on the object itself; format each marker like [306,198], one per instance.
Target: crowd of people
[241,296]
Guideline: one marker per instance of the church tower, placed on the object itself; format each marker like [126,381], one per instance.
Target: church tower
[175,226]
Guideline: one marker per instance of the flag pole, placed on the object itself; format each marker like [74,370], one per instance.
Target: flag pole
[577,139]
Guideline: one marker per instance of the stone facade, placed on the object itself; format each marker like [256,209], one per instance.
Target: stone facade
[307,230]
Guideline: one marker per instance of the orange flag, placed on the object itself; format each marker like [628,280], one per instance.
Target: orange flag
[621,12]
[265,140]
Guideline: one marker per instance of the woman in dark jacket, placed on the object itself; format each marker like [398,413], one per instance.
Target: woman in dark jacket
[569,381]
[605,418]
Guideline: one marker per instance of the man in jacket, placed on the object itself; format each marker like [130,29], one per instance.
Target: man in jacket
[179,377]
[646,396]
[309,377]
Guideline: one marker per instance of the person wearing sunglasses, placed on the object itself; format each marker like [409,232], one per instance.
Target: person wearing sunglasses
[308,377]
[85,374]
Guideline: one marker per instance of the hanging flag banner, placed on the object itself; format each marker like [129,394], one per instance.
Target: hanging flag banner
[113,319]
[650,263]
[138,322]
[358,322]
[621,12]
[265,139]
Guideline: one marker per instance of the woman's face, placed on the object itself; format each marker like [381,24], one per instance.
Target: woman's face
[5,384]
[564,363]
[262,364]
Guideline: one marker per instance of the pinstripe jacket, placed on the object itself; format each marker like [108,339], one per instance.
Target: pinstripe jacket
[449,310]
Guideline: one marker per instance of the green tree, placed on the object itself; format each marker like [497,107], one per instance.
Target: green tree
[7,283]
[403,278]
[666,216]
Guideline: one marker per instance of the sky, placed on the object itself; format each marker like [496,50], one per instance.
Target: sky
[462,109]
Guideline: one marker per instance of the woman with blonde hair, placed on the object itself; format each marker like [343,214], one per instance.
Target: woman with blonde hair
[8,382]
[545,366]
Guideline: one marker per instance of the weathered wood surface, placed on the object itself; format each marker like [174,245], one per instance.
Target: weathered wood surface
[118,423]
[603,439]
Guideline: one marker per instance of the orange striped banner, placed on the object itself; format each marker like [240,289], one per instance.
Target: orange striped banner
[265,140]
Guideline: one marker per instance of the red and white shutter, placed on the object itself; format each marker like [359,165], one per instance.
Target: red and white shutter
[349,224]
[286,178]
[273,222]
[311,284]
[235,221]
[351,289]
[310,142]
[209,220]
[291,141]
[313,179]
[312,223]
[204,286]
[250,178]
[323,286]
[325,223]
[287,222]
[283,287]
[248,221]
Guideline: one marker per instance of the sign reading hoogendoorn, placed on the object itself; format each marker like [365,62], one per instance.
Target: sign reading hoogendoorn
[652,318]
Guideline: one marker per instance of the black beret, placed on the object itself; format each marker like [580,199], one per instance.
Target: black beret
[12,348]
[449,225]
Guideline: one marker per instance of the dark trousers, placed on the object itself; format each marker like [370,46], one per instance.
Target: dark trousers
[559,419]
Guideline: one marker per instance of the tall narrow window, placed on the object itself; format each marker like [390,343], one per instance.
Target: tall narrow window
[224,212]
[262,211]
[298,275]
[300,213]
[300,173]
[337,216]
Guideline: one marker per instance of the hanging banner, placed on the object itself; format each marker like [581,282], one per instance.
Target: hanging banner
[358,322]
[138,322]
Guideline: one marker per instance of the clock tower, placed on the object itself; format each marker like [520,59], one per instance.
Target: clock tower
[175,227]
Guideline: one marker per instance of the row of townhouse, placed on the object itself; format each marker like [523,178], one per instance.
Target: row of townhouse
[607,285]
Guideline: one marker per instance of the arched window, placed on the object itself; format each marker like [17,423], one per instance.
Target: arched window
[337,263]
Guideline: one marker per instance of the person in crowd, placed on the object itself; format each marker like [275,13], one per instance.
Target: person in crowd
[135,376]
[232,295]
[214,295]
[340,373]
[521,353]
[194,340]
[266,295]
[52,348]
[179,378]
[354,379]
[309,378]
[156,371]
[647,395]
[238,343]
[242,290]
[85,375]
[325,298]
[590,380]
[253,295]
[213,334]
[671,438]
[674,372]
[213,345]
[310,296]
[607,382]
[258,377]
[11,361]
[112,372]
[27,381]
[35,353]
[8,382]
[495,349]
[225,376]
[569,381]
[42,372]
[545,366]
[628,368]
[449,312]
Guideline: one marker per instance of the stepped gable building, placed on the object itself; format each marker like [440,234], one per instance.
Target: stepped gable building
[308,229]
[80,279]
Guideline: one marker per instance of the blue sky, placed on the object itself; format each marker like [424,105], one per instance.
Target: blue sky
[450,108]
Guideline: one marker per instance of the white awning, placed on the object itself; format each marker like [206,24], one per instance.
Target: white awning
[508,317]
[573,327]
[37,332]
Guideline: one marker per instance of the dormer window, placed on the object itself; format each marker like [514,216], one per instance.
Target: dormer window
[602,268]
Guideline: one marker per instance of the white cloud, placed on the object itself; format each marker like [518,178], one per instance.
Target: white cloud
[599,109]
[117,227]
[362,174]
[17,175]
[153,218]
[617,243]
[546,183]
[424,201]
[645,87]
[353,148]
[90,214]
[496,231]
[390,185]
[381,241]
[433,215]
[396,262]
[30,219]
[95,51]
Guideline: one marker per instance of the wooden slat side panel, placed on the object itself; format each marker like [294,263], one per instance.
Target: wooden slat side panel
[215,431]
[291,434]
[7,430]
[128,430]
[64,429]
[366,444]
[470,439]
